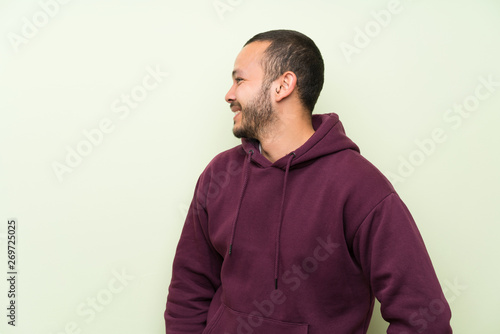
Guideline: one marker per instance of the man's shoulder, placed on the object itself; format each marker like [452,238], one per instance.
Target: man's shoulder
[234,153]
[360,175]
[227,160]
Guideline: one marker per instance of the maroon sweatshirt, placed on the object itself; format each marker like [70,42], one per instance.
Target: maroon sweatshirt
[301,245]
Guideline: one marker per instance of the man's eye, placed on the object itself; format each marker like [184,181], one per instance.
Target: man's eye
[238,80]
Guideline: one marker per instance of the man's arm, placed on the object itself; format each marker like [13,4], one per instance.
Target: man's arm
[393,256]
[195,273]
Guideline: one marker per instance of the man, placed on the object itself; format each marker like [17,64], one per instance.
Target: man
[293,231]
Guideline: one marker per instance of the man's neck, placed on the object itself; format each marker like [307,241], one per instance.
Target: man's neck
[285,137]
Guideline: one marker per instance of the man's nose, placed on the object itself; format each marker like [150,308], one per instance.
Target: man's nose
[230,95]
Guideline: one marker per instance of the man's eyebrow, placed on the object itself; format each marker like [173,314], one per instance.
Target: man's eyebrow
[236,72]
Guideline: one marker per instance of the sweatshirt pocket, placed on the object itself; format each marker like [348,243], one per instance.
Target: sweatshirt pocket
[229,321]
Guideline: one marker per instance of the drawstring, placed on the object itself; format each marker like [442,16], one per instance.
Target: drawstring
[245,180]
[278,234]
[280,221]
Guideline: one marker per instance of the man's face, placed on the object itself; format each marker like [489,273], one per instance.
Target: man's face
[249,96]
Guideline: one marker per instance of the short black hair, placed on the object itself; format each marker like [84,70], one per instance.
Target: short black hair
[293,51]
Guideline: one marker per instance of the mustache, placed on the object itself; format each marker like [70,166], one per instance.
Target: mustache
[235,104]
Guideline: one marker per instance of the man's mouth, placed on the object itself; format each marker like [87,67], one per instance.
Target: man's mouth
[236,110]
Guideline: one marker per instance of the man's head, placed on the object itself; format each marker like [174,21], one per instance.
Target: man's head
[293,51]
[272,67]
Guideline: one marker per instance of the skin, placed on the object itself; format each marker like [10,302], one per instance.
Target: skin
[289,125]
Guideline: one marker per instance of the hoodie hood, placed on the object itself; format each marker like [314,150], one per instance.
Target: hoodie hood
[329,137]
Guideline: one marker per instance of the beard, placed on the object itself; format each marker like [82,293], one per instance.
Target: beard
[257,116]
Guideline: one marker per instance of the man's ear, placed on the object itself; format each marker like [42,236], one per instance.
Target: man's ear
[284,86]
